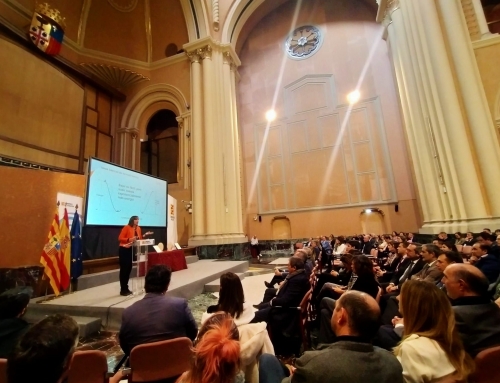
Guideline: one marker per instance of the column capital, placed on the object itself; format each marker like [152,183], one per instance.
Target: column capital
[180,120]
[194,56]
[206,52]
[385,9]
[132,131]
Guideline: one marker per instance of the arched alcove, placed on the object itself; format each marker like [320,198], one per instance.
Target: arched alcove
[160,147]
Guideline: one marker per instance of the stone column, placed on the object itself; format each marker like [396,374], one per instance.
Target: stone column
[482,127]
[184,136]
[128,143]
[198,182]
[220,149]
[448,182]
[481,19]
[211,177]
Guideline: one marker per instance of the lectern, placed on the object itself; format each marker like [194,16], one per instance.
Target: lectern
[140,256]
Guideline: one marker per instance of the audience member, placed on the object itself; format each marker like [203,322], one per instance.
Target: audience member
[156,317]
[44,352]
[367,245]
[352,358]
[13,304]
[362,279]
[231,301]
[410,265]
[340,277]
[394,259]
[430,272]
[289,294]
[459,238]
[444,260]
[490,239]
[477,317]
[448,246]
[443,236]
[431,348]
[486,262]
[340,245]
[216,352]
[469,239]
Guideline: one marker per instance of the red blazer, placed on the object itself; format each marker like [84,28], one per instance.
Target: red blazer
[127,233]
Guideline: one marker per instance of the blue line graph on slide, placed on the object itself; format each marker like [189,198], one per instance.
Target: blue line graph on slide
[151,204]
[102,195]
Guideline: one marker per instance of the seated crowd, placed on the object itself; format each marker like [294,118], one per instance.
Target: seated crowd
[383,309]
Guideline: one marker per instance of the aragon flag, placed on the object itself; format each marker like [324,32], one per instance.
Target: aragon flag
[76,248]
[50,255]
[65,251]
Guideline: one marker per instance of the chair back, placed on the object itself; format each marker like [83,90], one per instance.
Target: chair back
[459,248]
[3,370]
[487,370]
[466,250]
[160,360]
[88,367]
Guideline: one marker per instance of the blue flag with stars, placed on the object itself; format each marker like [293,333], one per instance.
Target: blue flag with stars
[76,248]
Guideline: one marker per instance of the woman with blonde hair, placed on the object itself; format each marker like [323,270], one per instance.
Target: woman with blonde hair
[431,349]
[216,352]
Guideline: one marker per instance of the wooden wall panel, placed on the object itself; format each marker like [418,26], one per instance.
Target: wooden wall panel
[36,156]
[39,105]
[27,207]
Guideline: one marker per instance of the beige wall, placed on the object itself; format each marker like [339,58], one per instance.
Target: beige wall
[370,165]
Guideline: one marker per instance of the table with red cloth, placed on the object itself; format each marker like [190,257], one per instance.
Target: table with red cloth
[175,259]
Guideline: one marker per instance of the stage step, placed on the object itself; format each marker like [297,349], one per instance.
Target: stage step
[191,259]
[214,286]
[88,325]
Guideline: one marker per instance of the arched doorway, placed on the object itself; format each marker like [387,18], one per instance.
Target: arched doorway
[160,151]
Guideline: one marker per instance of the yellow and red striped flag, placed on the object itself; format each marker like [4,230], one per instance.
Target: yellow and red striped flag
[50,255]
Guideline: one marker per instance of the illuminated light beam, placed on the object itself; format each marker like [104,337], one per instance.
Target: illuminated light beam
[253,186]
[338,143]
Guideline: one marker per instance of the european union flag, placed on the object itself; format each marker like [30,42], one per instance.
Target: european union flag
[76,248]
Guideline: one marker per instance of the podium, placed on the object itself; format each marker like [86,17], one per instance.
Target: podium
[140,256]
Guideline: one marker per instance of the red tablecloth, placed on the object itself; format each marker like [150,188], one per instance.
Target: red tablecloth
[175,259]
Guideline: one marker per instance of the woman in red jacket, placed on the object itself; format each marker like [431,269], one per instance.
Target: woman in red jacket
[128,235]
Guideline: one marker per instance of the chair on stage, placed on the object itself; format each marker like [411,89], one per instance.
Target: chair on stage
[88,367]
[151,362]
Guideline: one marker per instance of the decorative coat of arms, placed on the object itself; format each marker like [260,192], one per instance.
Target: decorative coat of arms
[46,29]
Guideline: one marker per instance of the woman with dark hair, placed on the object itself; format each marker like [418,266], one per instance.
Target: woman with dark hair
[216,352]
[448,246]
[231,301]
[129,234]
[459,238]
[362,279]
[339,247]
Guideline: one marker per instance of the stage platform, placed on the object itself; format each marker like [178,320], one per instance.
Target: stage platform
[103,303]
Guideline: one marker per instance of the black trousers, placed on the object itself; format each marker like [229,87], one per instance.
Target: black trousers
[125,257]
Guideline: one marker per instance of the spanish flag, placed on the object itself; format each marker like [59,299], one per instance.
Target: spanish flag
[56,254]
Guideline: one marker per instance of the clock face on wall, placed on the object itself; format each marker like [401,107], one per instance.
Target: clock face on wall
[303,41]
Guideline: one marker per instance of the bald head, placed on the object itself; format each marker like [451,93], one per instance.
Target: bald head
[356,314]
[463,279]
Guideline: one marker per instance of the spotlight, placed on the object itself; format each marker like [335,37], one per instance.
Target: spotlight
[353,97]
[368,211]
[270,115]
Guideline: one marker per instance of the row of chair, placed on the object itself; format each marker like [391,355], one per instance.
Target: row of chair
[148,363]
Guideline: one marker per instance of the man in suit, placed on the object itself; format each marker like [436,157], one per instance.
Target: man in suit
[477,317]
[355,322]
[490,240]
[388,302]
[368,245]
[156,317]
[411,265]
[469,239]
[486,262]
[289,294]
[443,261]
[430,272]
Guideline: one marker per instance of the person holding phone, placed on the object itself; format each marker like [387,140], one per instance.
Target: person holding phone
[129,234]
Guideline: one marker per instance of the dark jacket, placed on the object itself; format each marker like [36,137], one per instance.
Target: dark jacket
[347,361]
[402,269]
[478,322]
[490,266]
[154,318]
[10,331]
[366,284]
[293,290]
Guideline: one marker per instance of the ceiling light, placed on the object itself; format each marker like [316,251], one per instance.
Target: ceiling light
[270,115]
[353,97]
